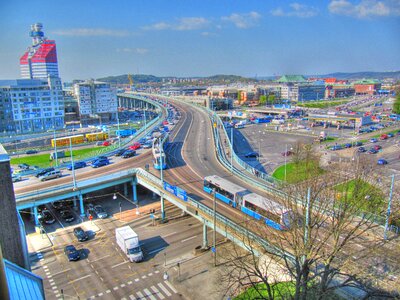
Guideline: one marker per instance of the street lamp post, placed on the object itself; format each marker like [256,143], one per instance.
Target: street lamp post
[55,146]
[72,163]
[215,228]
[232,149]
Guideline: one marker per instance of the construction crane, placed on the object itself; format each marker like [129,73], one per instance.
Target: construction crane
[130,81]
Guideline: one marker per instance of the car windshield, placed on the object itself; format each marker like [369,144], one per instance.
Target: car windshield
[134,250]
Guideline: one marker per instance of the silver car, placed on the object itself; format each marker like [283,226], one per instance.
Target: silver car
[50,175]
[100,212]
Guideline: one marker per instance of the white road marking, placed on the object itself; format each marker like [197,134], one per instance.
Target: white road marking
[54,288]
[60,272]
[185,240]
[124,262]
[156,271]
[150,274]
[100,294]
[170,286]
[148,293]
[52,283]
[108,291]
[158,293]
[137,279]
[164,289]
[115,288]
[122,285]
[80,278]
[169,234]
[92,261]
[144,276]
[157,250]
[129,282]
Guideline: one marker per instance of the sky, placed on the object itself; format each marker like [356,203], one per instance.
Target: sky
[183,38]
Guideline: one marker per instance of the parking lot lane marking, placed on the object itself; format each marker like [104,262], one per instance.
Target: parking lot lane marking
[144,276]
[122,285]
[137,279]
[185,240]
[100,294]
[117,265]
[54,288]
[92,261]
[45,267]
[169,234]
[51,280]
[157,250]
[58,273]
[52,283]
[132,297]
[129,282]
[156,271]
[148,293]
[170,286]
[108,291]
[150,274]
[130,267]
[57,295]
[164,289]
[115,288]
[101,278]
[158,293]
[80,278]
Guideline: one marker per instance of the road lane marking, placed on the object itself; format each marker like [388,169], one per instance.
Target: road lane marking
[149,294]
[129,282]
[158,293]
[80,278]
[123,285]
[137,279]
[164,289]
[185,240]
[169,234]
[170,286]
[92,261]
[117,265]
[157,250]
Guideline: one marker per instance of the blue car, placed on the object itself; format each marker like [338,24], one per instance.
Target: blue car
[348,145]
[373,140]
[77,165]
[336,147]
[100,163]
[358,144]
[382,161]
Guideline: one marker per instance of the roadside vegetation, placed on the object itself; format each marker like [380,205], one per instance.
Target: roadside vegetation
[322,104]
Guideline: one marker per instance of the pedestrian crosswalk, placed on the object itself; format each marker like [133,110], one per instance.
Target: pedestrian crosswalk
[159,291]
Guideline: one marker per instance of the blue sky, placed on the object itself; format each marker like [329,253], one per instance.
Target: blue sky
[98,38]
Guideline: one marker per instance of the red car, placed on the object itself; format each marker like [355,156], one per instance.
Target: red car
[106,143]
[135,146]
[384,136]
[377,147]
[165,122]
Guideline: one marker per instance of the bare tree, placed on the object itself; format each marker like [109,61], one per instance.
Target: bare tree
[332,240]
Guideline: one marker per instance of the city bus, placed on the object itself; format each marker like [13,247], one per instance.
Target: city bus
[64,141]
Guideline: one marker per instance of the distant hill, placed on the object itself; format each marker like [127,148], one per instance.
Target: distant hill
[367,75]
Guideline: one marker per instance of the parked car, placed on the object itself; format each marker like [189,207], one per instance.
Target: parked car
[336,147]
[16,178]
[120,152]
[57,204]
[377,147]
[24,166]
[358,144]
[46,217]
[372,151]
[361,149]
[373,140]
[100,212]
[31,151]
[106,143]
[382,161]
[44,171]
[80,234]
[50,175]
[390,135]
[251,154]
[67,215]
[135,146]
[147,145]
[77,165]
[129,153]
[287,153]
[347,145]
[71,253]
[143,140]
[100,162]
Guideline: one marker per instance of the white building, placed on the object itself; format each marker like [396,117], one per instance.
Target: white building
[31,105]
[96,100]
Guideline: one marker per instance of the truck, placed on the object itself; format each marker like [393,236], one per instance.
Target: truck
[58,155]
[128,241]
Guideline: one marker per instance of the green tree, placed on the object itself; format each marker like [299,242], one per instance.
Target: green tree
[239,96]
[263,99]
[271,98]
[396,104]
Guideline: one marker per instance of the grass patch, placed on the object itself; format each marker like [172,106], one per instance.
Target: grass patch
[297,171]
[280,290]
[358,190]
[43,161]
[321,104]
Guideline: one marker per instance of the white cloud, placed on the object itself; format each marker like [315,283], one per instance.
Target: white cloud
[91,32]
[182,24]
[365,8]
[243,21]
[297,10]
[133,50]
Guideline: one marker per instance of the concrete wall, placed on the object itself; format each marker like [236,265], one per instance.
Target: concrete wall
[10,235]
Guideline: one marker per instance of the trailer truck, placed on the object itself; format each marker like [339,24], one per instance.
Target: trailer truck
[128,241]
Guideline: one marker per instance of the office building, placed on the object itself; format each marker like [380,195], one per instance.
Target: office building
[31,105]
[40,59]
[96,101]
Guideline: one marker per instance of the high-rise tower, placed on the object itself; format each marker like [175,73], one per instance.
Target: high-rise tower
[40,59]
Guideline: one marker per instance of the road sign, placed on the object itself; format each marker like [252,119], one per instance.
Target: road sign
[180,193]
[213,249]
[151,216]
[169,188]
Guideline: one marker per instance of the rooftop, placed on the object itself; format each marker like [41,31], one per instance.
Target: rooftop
[292,78]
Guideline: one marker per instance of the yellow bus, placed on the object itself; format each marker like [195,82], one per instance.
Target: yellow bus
[97,136]
[64,141]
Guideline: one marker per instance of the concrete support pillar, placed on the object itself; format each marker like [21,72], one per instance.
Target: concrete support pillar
[134,191]
[126,189]
[74,201]
[205,240]
[82,205]
[162,207]
[35,214]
